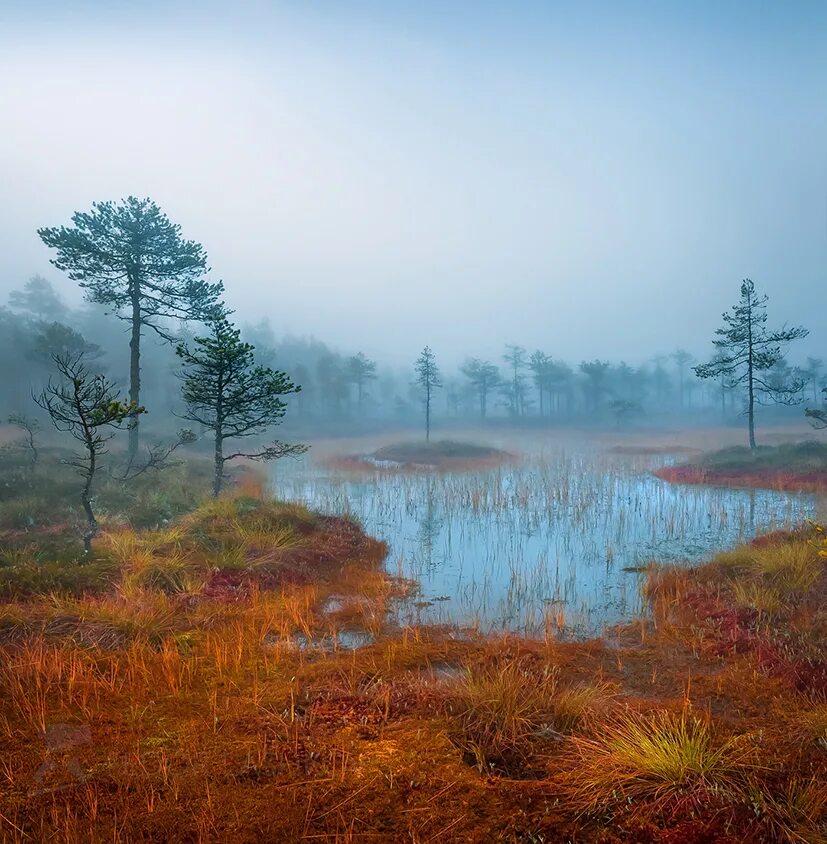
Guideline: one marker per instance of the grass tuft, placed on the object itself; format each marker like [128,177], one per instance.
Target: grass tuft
[503,710]
[650,758]
[769,578]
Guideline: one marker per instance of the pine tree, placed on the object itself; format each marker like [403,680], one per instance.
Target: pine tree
[813,374]
[360,370]
[595,372]
[818,415]
[541,365]
[747,350]
[682,358]
[428,378]
[484,377]
[515,357]
[39,299]
[229,394]
[129,257]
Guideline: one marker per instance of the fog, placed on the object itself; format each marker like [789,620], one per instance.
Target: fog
[413,421]
[562,176]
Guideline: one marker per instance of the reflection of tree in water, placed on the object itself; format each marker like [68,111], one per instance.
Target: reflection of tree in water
[430,526]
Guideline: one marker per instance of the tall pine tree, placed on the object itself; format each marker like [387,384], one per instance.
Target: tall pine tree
[748,350]
[428,378]
[130,257]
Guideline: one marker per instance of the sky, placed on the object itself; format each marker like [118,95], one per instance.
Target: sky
[589,179]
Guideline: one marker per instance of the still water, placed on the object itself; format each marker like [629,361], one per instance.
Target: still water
[561,535]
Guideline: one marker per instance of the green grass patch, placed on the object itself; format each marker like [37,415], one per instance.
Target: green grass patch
[429,452]
[810,456]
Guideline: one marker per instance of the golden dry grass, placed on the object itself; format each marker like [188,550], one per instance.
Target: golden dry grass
[208,693]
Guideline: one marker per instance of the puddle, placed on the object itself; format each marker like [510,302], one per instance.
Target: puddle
[349,640]
[446,672]
[338,603]
[334,604]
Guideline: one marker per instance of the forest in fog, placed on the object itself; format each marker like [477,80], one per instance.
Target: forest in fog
[343,391]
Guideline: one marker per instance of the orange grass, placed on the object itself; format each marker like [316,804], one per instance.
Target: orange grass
[185,702]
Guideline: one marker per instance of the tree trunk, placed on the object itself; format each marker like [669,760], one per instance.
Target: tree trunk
[135,372]
[750,389]
[85,500]
[218,478]
[427,414]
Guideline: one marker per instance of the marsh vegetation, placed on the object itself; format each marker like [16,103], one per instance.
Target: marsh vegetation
[441,503]
[560,537]
[250,666]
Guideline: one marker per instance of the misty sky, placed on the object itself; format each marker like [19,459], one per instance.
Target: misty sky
[571,177]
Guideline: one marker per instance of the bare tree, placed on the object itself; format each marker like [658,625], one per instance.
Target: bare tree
[31,428]
[88,407]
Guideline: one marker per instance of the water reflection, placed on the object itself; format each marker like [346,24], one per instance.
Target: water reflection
[561,535]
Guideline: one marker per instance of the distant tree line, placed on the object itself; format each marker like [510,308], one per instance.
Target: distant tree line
[156,283]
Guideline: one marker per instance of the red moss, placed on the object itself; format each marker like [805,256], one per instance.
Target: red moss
[238,585]
[737,630]
[746,477]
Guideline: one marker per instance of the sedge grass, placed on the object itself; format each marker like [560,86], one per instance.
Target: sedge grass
[651,758]
[503,709]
